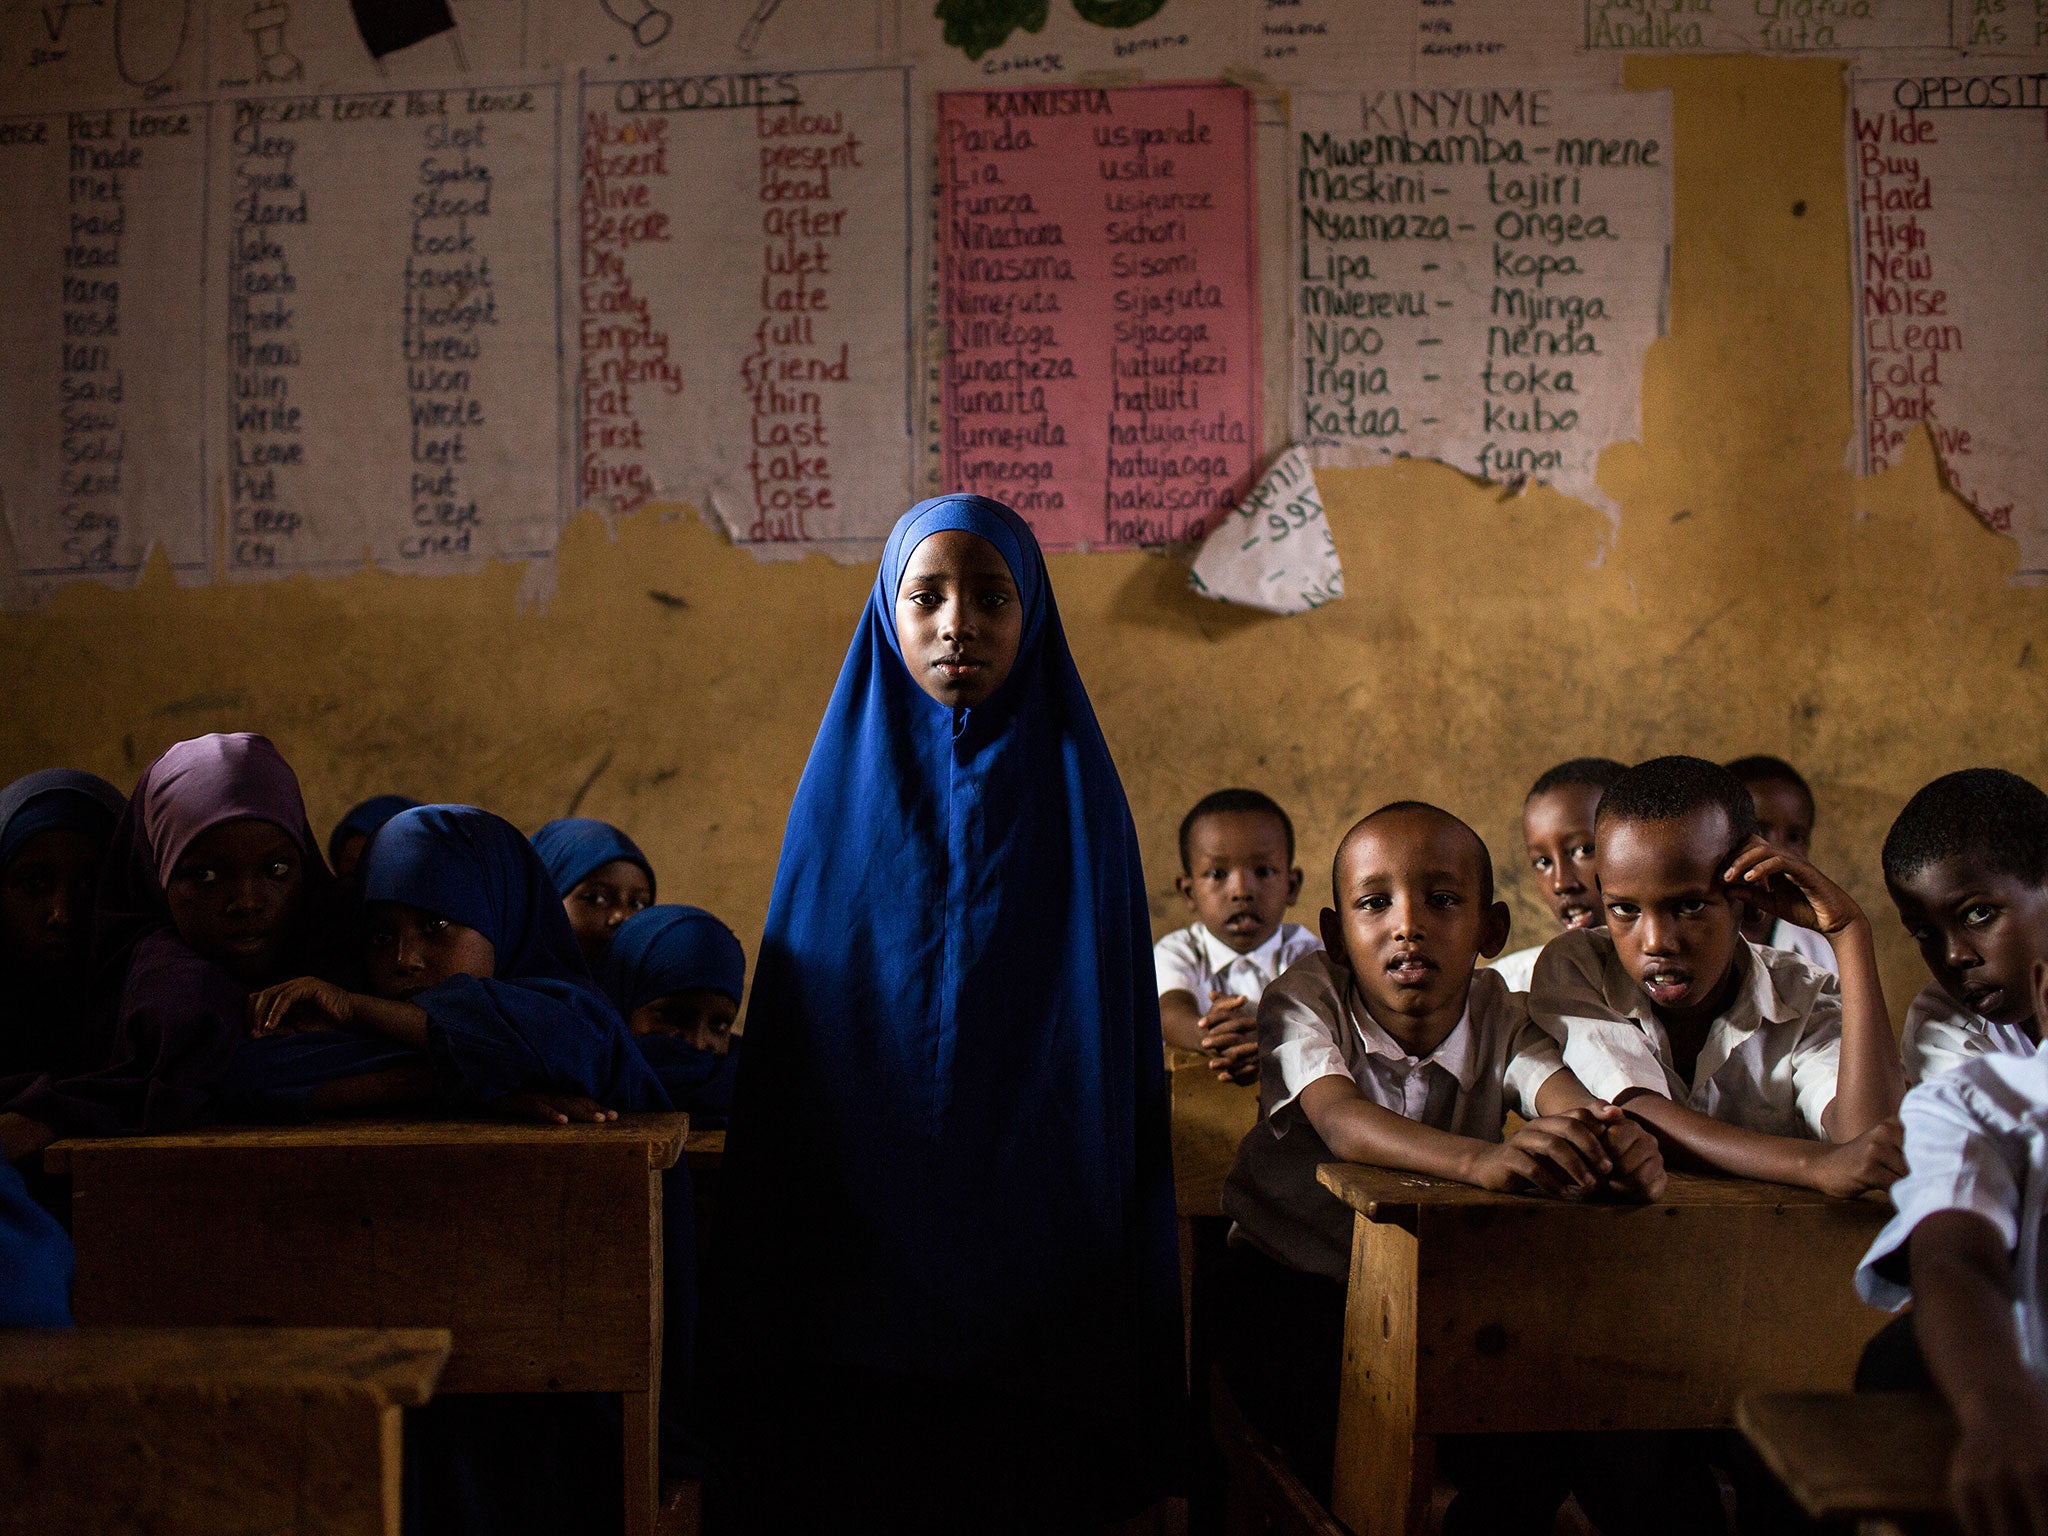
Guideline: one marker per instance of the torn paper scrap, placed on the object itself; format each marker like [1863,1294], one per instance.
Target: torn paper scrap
[1273,550]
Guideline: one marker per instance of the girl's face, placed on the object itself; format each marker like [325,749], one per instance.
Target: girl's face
[411,949]
[700,1017]
[959,619]
[602,900]
[235,894]
[46,903]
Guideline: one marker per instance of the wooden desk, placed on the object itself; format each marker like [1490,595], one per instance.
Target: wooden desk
[1209,1118]
[1476,1311]
[705,1150]
[208,1430]
[538,1247]
[1857,1456]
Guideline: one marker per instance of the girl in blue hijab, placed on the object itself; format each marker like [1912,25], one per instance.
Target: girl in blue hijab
[471,961]
[352,834]
[602,876]
[955,1293]
[676,974]
[54,830]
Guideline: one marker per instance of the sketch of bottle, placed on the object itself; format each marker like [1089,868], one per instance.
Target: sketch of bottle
[265,24]
[647,22]
[149,37]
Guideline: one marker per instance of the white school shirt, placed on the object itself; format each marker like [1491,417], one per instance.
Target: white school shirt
[1941,1034]
[1194,960]
[1977,1141]
[1767,1064]
[1516,968]
[1312,1025]
[1812,947]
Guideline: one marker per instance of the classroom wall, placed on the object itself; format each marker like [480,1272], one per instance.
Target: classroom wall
[1757,598]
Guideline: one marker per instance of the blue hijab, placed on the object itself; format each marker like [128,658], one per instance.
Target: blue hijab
[658,953]
[661,951]
[540,1022]
[35,1260]
[576,847]
[365,819]
[57,799]
[949,1155]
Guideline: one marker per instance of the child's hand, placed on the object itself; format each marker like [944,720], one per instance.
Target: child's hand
[1874,1160]
[1555,1155]
[1230,1034]
[1786,886]
[549,1108]
[1998,1477]
[1638,1161]
[304,1003]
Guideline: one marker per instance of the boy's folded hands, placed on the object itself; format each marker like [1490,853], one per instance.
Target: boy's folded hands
[1570,1156]
[1230,1034]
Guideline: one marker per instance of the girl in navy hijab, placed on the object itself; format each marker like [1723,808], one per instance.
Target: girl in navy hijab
[955,1294]
[602,875]
[676,975]
[352,834]
[471,961]
[54,830]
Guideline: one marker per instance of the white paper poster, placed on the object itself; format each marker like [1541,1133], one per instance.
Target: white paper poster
[1479,273]
[1273,550]
[742,317]
[102,351]
[1948,177]
[390,388]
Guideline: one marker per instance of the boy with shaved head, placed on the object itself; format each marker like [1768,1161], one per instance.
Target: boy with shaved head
[1739,1057]
[1389,1048]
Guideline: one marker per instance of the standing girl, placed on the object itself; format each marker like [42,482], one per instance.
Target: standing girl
[955,1294]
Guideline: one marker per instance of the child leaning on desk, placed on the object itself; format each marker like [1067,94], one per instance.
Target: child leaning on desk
[1389,1049]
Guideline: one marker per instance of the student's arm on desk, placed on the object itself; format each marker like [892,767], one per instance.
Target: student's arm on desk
[1869,1079]
[1874,1160]
[1553,1155]
[1637,1160]
[1963,1313]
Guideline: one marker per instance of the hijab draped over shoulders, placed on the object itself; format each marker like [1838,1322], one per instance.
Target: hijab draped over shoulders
[44,1021]
[540,1022]
[177,1017]
[949,1153]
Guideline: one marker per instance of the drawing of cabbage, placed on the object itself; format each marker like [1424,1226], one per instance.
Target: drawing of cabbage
[1118,13]
[976,26]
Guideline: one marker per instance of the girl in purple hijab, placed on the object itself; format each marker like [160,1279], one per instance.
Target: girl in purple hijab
[214,887]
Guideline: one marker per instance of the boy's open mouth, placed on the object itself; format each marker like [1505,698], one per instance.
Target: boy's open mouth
[1982,996]
[1410,969]
[1242,922]
[1579,915]
[1667,984]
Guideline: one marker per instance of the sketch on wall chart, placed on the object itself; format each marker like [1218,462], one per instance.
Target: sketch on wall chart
[977,26]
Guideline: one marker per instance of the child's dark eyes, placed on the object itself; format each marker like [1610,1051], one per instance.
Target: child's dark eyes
[1541,863]
[1980,914]
[1583,851]
[1373,903]
[281,870]
[1623,909]
[1691,908]
[1445,899]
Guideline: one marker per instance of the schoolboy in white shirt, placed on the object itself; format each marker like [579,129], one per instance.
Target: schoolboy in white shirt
[1785,815]
[1967,866]
[1557,829]
[1239,877]
[1966,1248]
[1738,1057]
[1389,1049]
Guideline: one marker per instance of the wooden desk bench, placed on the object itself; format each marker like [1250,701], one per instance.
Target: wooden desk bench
[208,1431]
[1476,1311]
[538,1247]
[1867,1456]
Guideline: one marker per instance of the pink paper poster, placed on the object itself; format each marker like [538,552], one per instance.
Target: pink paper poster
[1098,284]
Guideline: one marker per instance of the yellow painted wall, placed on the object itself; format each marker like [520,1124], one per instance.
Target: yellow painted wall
[1758,598]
